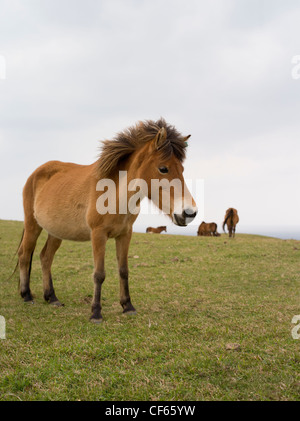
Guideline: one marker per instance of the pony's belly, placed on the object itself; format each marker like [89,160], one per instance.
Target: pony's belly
[63,226]
[61,210]
[73,232]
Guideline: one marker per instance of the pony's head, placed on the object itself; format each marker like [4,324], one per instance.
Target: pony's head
[160,165]
[152,152]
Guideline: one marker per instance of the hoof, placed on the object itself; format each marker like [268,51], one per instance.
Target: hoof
[29,301]
[27,297]
[57,304]
[96,321]
[129,312]
[128,308]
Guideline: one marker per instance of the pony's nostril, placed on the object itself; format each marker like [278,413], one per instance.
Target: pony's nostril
[189,213]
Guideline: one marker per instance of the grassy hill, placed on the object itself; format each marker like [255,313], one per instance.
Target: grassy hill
[213,322]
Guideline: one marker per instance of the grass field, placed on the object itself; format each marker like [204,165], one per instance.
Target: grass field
[195,297]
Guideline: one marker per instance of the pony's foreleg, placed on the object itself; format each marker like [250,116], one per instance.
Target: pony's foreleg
[25,253]
[122,246]
[99,242]
[46,256]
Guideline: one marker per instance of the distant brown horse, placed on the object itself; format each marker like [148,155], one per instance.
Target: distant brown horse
[231,219]
[208,229]
[157,230]
[63,198]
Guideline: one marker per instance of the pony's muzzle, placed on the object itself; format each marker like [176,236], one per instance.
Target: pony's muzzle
[185,217]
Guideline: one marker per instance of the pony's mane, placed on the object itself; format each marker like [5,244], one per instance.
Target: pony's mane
[115,151]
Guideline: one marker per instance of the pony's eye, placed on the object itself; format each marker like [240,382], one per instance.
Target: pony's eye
[163,170]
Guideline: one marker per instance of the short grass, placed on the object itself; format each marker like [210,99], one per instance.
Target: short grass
[194,296]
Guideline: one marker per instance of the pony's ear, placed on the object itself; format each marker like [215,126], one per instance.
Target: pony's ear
[185,139]
[160,138]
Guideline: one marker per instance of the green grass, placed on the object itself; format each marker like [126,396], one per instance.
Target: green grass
[193,296]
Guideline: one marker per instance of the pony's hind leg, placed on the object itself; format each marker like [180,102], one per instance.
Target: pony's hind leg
[25,253]
[46,256]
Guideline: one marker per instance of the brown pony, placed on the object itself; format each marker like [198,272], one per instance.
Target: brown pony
[231,219]
[208,229]
[63,198]
[157,230]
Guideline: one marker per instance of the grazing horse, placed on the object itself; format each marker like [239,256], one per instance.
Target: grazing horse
[63,198]
[208,229]
[231,219]
[157,230]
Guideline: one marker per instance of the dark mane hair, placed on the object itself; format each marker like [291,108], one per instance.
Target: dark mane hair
[125,143]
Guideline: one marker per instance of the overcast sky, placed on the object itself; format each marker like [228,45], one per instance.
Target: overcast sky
[78,71]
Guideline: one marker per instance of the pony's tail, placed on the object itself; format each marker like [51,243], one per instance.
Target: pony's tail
[224,223]
[229,215]
[17,265]
[225,220]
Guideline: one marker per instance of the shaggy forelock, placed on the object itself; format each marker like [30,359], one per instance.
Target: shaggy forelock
[114,151]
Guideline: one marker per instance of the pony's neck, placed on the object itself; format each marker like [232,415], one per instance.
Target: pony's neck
[129,179]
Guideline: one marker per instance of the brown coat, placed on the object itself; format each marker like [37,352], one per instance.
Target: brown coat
[231,219]
[208,229]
